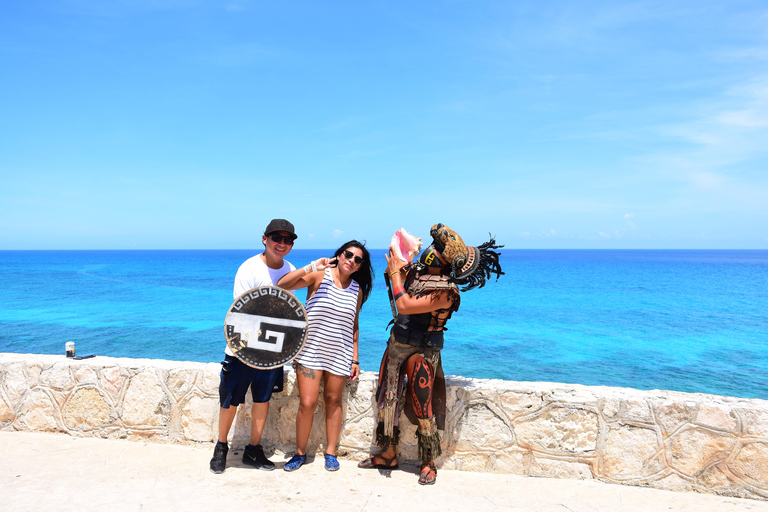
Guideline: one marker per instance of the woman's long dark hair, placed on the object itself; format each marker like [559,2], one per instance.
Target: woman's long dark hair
[364,274]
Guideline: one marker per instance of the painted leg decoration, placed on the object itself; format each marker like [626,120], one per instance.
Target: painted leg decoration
[423,380]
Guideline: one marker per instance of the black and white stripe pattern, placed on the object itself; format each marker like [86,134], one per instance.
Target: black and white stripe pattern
[331,313]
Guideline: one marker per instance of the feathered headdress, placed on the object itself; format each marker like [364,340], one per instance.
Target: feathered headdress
[469,266]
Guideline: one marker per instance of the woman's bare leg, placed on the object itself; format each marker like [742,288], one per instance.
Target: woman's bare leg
[309,391]
[334,388]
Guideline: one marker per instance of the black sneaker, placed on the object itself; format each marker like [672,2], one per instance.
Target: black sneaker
[254,456]
[219,460]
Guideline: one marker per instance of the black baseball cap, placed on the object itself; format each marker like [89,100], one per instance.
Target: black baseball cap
[280,225]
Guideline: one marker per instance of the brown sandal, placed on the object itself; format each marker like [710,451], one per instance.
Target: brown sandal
[428,473]
[370,463]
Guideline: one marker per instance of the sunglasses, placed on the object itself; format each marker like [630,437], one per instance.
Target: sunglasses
[349,255]
[287,240]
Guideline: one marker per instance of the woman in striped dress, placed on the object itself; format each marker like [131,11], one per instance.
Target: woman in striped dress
[336,290]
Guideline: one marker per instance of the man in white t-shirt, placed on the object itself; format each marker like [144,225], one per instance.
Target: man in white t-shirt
[236,377]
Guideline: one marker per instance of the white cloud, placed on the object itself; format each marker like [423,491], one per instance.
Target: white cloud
[706,180]
[337,233]
[604,235]
[629,215]
[728,130]
[548,234]
[743,119]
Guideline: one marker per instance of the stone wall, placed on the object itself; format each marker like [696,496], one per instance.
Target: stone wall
[662,439]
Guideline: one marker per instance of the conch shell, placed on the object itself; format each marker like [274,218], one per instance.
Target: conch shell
[405,245]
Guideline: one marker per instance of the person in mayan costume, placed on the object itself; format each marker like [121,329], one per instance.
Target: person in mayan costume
[411,380]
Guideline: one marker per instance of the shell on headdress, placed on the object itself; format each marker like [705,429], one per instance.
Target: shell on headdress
[405,245]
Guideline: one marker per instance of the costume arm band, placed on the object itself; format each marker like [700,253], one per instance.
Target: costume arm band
[399,291]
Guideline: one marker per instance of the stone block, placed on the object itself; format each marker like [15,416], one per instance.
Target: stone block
[37,413]
[112,380]
[481,428]
[357,436]
[208,381]
[714,477]
[751,463]
[512,462]
[656,465]
[6,413]
[33,374]
[197,418]
[16,382]
[449,462]
[560,429]
[717,416]
[610,408]
[756,422]
[366,428]
[554,468]
[692,449]
[578,395]
[627,451]
[671,415]
[86,409]
[516,403]
[180,382]
[472,462]
[358,398]
[145,403]
[85,375]
[637,410]
[673,482]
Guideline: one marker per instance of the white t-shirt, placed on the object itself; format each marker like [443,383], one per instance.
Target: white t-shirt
[254,272]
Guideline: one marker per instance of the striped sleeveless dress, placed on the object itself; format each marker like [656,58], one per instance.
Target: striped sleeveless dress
[331,315]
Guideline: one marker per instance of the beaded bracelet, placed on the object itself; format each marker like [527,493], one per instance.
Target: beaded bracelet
[356,362]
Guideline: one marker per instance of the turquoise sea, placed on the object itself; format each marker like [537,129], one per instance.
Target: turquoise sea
[692,321]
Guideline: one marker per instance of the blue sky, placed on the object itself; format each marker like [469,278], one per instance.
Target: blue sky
[182,124]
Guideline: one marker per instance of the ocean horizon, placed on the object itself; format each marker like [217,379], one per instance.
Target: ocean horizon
[683,320]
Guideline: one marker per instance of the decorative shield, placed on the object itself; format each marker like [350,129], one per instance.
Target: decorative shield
[266,327]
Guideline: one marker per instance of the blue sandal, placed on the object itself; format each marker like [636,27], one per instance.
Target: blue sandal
[295,463]
[331,463]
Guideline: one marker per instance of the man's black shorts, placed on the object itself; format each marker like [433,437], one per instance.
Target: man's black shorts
[237,377]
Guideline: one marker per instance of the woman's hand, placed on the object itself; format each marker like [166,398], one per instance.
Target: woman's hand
[355,373]
[394,264]
[303,277]
[323,263]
